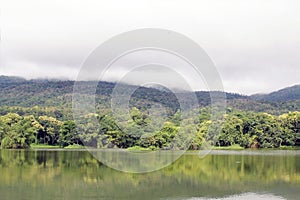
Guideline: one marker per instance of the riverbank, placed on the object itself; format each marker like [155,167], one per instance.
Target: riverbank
[45,146]
[137,148]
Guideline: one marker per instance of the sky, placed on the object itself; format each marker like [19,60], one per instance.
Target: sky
[254,44]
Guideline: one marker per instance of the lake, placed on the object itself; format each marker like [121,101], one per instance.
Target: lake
[76,174]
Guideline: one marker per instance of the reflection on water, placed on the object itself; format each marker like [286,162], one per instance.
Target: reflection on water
[136,161]
[246,196]
[77,175]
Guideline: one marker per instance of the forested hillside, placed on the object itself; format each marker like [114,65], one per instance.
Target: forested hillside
[17,92]
[283,95]
[40,112]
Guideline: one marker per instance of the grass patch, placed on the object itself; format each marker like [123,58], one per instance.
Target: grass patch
[232,147]
[43,146]
[288,148]
[138,148]
[74,146]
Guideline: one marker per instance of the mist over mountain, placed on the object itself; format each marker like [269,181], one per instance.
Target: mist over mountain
[16,91]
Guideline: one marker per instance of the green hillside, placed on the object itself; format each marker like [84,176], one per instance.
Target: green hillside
[18,92]
[39,112]
[283,95]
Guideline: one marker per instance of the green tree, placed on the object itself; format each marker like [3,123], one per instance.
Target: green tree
[290,123]
[68,134]
[49,134]
[17,131]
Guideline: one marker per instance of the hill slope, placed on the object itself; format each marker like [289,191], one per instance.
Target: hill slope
[283,95]
[18,92]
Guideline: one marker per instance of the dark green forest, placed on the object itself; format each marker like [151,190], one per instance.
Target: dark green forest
[34,112]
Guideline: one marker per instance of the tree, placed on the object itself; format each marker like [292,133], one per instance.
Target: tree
[49,134]
[231,131]
[290,123]
[68,134]
[17,131]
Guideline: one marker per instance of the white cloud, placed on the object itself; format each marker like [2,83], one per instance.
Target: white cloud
[254,43]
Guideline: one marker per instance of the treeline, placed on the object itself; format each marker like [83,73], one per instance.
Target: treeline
[18,92]
[247,129]
[21,131]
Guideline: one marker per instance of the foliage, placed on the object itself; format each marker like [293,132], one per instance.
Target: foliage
[17,131]
[244,129]
[39,112]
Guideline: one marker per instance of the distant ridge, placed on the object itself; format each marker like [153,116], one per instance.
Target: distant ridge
[11,79]
[19,92]
[283,95]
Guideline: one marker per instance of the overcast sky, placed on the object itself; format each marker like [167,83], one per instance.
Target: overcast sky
[255,44]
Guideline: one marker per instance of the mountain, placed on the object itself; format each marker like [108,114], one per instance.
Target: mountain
[56,96]
[6,80]
[283,95]
[19,92]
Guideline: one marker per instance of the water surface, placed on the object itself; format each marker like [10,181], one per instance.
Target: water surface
[73,174]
